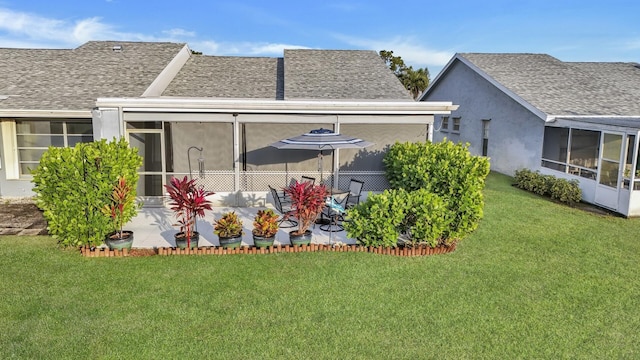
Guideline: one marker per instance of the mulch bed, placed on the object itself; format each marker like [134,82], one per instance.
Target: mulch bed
[216,250]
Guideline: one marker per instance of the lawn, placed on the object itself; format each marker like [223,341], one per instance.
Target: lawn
[536,280]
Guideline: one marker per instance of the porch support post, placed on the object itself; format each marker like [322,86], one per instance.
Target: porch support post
[236,157]
[336,157]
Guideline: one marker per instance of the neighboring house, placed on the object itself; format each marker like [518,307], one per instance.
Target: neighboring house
[234,107]
[569,119]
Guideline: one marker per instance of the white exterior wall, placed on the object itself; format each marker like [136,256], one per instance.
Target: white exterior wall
[515,134]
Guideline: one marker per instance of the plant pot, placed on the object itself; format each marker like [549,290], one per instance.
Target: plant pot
[263,242]
[181,240]
[230,242]
[115,243]
[300,239]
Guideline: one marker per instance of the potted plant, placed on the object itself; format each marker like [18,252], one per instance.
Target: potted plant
[265,227]
[229,230]
[188,202]
[121,210]
[307,202]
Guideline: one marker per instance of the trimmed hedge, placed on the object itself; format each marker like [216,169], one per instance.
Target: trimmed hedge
[73,185]
[563,190]
[446,169]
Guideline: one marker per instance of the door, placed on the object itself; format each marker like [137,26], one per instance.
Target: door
[608,187]
[150,144]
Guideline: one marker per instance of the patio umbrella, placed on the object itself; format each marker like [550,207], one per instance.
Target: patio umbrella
[321,139]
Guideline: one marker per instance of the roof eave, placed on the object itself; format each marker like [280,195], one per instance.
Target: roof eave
[276,106]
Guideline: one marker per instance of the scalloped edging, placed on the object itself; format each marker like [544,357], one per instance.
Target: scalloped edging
[217,250]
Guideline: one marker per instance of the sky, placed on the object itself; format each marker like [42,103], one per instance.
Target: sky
[424,33]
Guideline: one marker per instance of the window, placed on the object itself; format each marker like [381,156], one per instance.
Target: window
[33,138]
[445,124]
[485,136]
[456,125]
[571,150]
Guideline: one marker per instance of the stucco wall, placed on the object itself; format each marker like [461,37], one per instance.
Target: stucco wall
[515,134]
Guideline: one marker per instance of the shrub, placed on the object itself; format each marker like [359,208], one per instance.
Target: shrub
[445,169]
[566,191]
[420,217]
[563,190]
[73,185]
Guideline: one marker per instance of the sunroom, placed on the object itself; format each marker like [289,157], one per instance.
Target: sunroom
[225,143]
[602,154]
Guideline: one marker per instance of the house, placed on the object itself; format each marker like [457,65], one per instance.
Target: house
[232,108]
[46,97]
[574,120]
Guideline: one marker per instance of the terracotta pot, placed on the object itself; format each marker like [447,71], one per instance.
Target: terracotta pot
[115,243]
[181,240]
[300,239]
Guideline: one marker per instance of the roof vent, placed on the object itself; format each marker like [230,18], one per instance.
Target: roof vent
[117,48]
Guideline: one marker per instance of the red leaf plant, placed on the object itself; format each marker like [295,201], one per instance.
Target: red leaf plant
[188,203]
[122,198]
[307,201]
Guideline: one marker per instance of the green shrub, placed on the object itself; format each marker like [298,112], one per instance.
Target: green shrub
[566,191]
[73,185]
[563,190]
[376,221]
[445,169]
[420,217]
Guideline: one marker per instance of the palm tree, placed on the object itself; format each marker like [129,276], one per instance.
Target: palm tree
[416,81]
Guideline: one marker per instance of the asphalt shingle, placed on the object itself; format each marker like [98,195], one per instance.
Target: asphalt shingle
[72,79]
[565,88]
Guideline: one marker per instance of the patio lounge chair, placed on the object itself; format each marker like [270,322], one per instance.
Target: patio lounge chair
[285,210]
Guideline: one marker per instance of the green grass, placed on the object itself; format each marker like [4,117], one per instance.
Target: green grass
[536,280]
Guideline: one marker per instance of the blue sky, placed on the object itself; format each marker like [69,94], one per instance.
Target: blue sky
[423,33]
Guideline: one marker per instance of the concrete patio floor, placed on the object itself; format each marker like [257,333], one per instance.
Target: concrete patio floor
[153,228]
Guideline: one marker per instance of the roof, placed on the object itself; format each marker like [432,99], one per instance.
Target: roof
[227,77]
[72,79]
[340,74]
[560,88]
[300,75]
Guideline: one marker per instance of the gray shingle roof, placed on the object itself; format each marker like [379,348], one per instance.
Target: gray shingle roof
[565,88]
[340,75]
[227,77]
[72,79]
[301,74]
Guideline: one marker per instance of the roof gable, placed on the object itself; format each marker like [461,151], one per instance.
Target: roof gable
[555,88]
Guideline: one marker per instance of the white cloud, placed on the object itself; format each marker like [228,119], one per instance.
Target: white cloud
[242,49]
[177,33]
[409,49]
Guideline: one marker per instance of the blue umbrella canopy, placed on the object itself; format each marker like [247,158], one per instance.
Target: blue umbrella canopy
[321,139]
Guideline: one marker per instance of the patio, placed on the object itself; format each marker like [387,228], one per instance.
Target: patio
[153,228]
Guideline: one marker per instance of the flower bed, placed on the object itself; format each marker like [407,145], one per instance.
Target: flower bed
[217,250]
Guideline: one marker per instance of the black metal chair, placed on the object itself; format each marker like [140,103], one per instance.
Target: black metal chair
[334,211]
[310,179]
[355,190]
[285,210]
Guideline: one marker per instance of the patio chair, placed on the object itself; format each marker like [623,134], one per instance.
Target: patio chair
[285,210]
[310,179]
[334,211]
[355,190]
